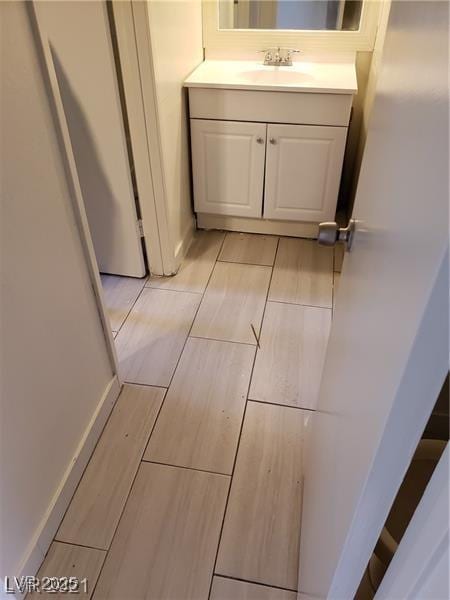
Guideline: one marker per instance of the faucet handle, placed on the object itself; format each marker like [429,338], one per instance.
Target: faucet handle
[289,53]
[267,55]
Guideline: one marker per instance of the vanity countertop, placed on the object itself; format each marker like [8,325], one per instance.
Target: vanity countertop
[304,75]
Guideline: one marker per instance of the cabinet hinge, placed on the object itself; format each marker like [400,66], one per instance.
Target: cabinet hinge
[140,228]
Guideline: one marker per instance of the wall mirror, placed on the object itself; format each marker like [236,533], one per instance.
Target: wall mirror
[241,27]
[310,15]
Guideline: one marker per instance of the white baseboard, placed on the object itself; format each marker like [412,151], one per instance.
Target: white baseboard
[45,532]
[265,226]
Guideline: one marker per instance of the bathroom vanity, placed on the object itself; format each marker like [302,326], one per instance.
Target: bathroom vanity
[268,143]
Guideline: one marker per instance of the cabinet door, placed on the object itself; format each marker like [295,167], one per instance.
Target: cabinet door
[303,171]
[228,167]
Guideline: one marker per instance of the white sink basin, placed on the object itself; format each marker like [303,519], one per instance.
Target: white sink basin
[337,77]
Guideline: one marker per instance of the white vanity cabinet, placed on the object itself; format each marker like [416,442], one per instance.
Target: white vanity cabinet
[287,172]
[267,160]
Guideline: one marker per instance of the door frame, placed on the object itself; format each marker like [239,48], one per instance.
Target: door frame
[421,560]
[136,64]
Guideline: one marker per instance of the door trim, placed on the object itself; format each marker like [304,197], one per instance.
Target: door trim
[130,19]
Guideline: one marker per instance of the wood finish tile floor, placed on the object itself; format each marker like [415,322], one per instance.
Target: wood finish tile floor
[194,488]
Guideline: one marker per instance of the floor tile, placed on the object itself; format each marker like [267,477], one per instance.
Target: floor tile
[261,534]
[249,248]
[165,545]
[196,267]
[231,589]
[201,418]
[234,300]
[290,359]
[152,338]
[339,253]
[120,294]
[65,560]
[303,273]
[95,509]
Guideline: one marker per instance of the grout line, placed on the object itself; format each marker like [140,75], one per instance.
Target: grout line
[298,304]
[276,587]
[128,495]
[105,550]
[265,303]
[86,467]
[282,405]
[105,556]
[230,485]
[131,307]
[260,333]
[165,289]
[236,262]
[272,268]
[302,494]
[240,434]
[254,331]
[137,470]
[161,387]
[157,462]
[184,346]
[199,337]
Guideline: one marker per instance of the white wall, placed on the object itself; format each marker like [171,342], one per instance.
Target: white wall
[79,34]
[55,367]
[176,41]
[363,109]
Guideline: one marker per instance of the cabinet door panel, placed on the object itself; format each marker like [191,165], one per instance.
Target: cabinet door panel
[228,167]
[303,171]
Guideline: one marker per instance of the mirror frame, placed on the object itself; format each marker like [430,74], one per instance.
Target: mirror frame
[217,41]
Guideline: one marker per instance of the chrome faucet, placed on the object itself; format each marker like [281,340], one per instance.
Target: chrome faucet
[279,57]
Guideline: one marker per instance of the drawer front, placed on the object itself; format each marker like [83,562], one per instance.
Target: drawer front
[270,107]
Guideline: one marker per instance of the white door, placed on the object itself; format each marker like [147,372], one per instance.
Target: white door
[228,167]
[82,52]
[303,171]
[388,350]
